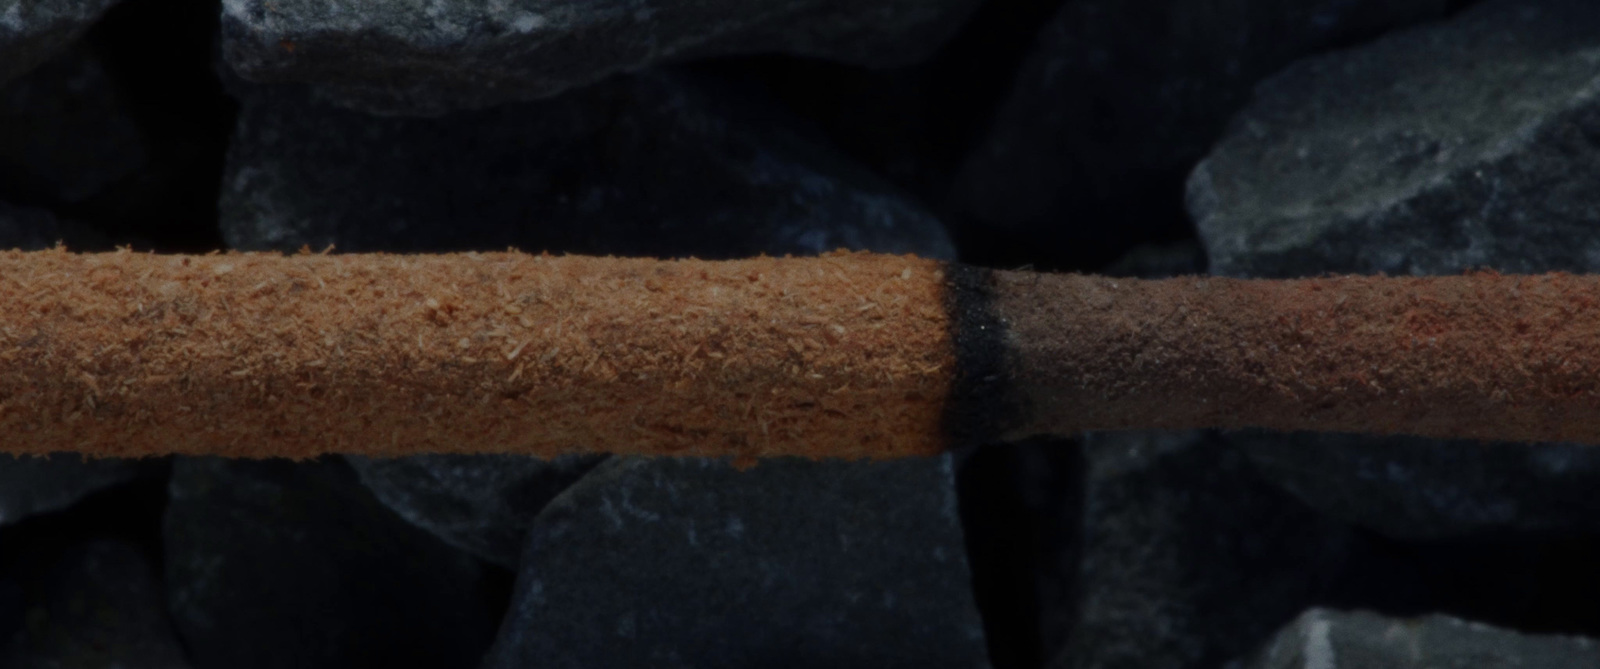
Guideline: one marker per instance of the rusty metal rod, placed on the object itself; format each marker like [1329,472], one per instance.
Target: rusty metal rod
[845,355]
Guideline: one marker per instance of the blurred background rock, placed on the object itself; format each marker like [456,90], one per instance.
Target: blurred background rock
[1257,138]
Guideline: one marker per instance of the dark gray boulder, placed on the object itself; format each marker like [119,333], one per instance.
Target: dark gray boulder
[1120,99]
[693,563]
[33,485]
[1325,639]
[1186,558]
[483,504]
[32,229]
[63,134]
[27,228]
[649,166]
[1160,261]
[429,57]
[1421,489]
[1432,151]
[32,31]
[283,564]
[98,605]
[1465,144]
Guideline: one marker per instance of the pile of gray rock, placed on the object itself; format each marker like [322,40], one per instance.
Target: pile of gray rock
[1254,138]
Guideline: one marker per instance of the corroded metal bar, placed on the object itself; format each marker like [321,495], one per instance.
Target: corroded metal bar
[845,355]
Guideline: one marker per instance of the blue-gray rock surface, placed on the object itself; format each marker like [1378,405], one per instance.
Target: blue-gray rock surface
[1431,151]
[432,56]
[1328,639]
[1160,261]
[98,605]
[34,228]
[63,134]
[1185,557]
[1469,143]
[1417,489]
[1118,100]
[483,504]
[652,165]
[693,563]
[32,31]
[645,166]
[642,166]
[33,485]
[27,228]
[285,564]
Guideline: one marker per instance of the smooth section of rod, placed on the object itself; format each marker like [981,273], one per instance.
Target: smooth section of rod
[1480,356]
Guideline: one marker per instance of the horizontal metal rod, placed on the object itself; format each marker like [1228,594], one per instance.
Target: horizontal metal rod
[844,355]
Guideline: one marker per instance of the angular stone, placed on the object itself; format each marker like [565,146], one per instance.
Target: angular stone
[648,166]
[1160,261]
[415,57]
[1119,100]
[31,31]
[483,504]
[1421,489]
[1187,557]
[63,134]
[32,229]
[1464,144]
[30,485]
[1325,639]
[279,564]
[98,606]
[1402,157]
[1021,507]
[693,563]
[27,228]
[651,166]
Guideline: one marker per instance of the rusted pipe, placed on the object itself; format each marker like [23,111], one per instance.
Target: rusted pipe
[846,355]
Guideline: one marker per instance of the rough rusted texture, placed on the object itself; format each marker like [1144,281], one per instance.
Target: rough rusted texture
[1481,356]
[126,354]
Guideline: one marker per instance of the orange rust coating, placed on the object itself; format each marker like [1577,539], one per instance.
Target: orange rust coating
[1479,356]
[259,355]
